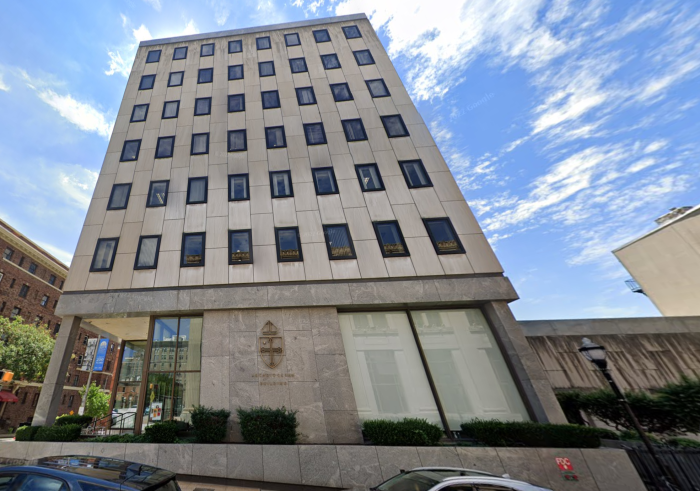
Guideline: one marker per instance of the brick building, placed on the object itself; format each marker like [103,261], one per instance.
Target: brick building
[31,281]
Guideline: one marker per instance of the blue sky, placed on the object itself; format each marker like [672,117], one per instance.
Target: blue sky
[570,125]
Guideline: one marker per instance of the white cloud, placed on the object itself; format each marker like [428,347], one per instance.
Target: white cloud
[154,3]
[655,146]
[3,86]
[125,19]
[117,64]
[221,11]
[142,33]
[190,28]
[83,115]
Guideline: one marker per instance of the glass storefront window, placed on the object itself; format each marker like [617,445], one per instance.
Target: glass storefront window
[469,371]
[385,367]
[159,398]
[126,399]
[189,344]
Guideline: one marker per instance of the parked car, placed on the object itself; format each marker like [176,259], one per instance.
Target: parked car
[84,473]
[453,479]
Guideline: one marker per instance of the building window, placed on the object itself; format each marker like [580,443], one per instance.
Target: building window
[70,401]
[266,68]
[235,72]
[235,46]
[37,320]
[322,36]
[330,62]
[55,302]
[21,261]
[197,190]
[236,103]
[354,130]
[377,88]
[270,99]
[390,239]
[139,113]
[192,250]
[394,126]
[56,328]
[292,39]
[35,399]
[153,56]
[352,32]
[60,287]
[32,268]
[237,141]
[12,283]
[175,79]
[130,151]
[3,304]
[24,289]
[24,397]
[118,200]
[80,361]
[202,106]
[275,137]
[263,42]
[415,174]
[44,300]
[288,245]
[306,96]
[180,53]
[8,253]
[171,109]
[238,187]
[443,236]
[341,92]
[15,312]
[108,364]
[52,280]
[111,347]
[298,65]
[164,147]
[157,194]
[200,144]
[239,247]
[85,339]
[205,76]
[324,180]
[315,135]
[105,250]
[363,57]
[281,184]
[147,82]
[147,252]
[1,276]
[207,50]
[370,179]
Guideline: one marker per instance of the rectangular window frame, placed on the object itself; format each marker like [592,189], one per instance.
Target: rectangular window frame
[406,178]
[182,250]
[286,39]
[299,89]
[277,245]
[138,253]
[323,131]
[206,190]
[272,187]
[347,86]
[291,66]
[369,87]
[347,29]
[235,43]
[172,147]
[32,268]
[206,45]
[154,53]
[353,254]
[93,269]
[203,71]
[145,79]
[245,141]
[261,63]
[138,150]
[323,34]
[170,79]
[259,41]
[44,300]
[247,187]
[177,111]
[250,246]
[262,99]
[235,78]
[23,291]
[133,113]
[7,253]
[206,151]
[446,220]
[346,132]
[362,51]
[379,176]
[109,201]
[330,56]
[375,225]
[179,50]
[335,181]
[52,278]
[195,106]
[267,139]
[403,125]
[150,190]
[230,97]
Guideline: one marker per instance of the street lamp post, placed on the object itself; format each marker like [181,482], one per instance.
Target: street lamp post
[596,354]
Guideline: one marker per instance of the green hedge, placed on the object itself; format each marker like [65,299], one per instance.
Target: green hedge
[407,432]
[65,433]
[528,434]
[680,442]
[73,419]
[163,432]
[263,425]
[126,438]
[210,424]
[26,433]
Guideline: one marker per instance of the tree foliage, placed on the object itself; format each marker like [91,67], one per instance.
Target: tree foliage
[97,402]
[25,349]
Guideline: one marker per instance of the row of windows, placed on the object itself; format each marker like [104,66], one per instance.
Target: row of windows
[37,320]
[263,42]
[9,252]
[288,241]
[324,180]
[265,69]
[24,290]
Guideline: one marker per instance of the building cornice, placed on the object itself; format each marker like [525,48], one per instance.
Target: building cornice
[29,248]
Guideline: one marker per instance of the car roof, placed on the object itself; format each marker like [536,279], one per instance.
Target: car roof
[124,474]
[452,469]
[502,481]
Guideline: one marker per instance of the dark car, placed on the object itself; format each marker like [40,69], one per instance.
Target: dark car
[84,473]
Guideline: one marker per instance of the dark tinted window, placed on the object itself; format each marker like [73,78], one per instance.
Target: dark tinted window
[341,92]
[235,46]
[157,194]
[394,126]
[263,42]
[354,130]
[238,189]
[330,61]
[237,141]
[139,113]
[180,53]
[270,99]
[324,180]
[236,103]
[171,109]
[206,75]
[288,244]
[202,106]
[147,252]
[281,184]
[43,483]
[267,68]
[130,151]
[390,239]
[240,247]
[306,96]
[275,137]
[197,190]
[315,135]
[52,280]
[119,197]
[235,72]
[24,289]
[164,147]
[443,236]
[322,36]
[363,57]
[153,56]
[352,32]
[338,242]
[192,250]
[200,144]
[292,39]
[32,268]
[415,174]
[104,255]
[377,88]
[370,179]
[207,50]
[175,79]
[147,82]
[298,65]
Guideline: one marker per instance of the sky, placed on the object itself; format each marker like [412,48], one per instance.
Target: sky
[569,125]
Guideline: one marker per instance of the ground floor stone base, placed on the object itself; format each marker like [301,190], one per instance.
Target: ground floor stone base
[353,466]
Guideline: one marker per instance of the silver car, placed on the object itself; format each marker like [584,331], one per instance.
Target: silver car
[453,479]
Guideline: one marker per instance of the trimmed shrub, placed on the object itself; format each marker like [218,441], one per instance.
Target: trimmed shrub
[210,424]
[605,434]
[263,425]
[65,433]
[407,432]
[495,433]
[680,442]
[127,438]
[162,432]
[26,433]
[73,419]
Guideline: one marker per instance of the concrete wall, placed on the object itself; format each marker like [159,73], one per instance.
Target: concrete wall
[353,467]
[666,263]
[643,353]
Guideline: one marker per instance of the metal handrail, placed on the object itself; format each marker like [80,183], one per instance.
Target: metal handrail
[109,422]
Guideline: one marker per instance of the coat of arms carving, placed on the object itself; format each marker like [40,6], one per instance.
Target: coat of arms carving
[271,345]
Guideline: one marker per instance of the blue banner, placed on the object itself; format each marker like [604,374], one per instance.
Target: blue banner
[100,356]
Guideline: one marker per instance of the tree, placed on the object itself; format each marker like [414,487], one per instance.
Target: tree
[97,402]
[25,349]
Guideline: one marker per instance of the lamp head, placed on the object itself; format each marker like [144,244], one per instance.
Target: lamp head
[594,353]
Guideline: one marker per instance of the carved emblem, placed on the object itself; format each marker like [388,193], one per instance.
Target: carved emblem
[271,346]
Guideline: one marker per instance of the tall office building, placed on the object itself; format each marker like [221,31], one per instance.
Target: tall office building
[274,225]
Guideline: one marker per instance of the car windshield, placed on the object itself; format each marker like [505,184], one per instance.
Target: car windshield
[423,480]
